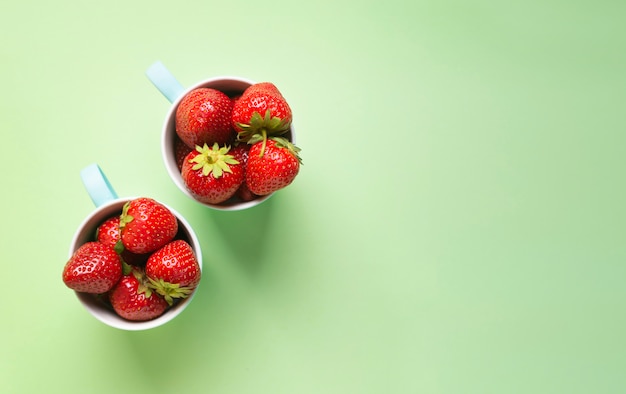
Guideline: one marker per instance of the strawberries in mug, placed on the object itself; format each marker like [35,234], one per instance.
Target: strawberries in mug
[259,114]
[98,266]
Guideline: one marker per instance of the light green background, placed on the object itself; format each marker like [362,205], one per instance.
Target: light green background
[457,227]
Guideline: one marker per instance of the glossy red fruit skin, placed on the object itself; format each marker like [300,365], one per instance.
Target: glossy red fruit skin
[204,117]
[207,188]
[260,97]
[93,268]
[175,263]
[130,304]
[152,226]
[240,152]
[108,233]
[181,150]
[244,194]
[276,169]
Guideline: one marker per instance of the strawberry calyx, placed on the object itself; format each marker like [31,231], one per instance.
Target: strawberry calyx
[125,218]
[127,269]
[143,287]
[119,247]
[169,291]
[213,160]
[262,126]
[283,143]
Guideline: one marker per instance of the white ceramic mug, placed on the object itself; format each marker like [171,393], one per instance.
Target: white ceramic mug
[107,205]
[167,84]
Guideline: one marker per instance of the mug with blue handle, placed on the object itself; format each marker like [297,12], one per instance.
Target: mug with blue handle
[108,204]
[174,92]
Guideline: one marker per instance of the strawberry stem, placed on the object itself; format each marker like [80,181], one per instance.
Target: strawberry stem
[264,134]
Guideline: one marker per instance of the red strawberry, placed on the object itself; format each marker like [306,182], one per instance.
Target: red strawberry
[274,169]
[203,117]
[212,175]
[181,150]
[93,268]
[133,300]
[240,152]
[261,110]
[108,233]
[244,193]
[173,270]
[146,225]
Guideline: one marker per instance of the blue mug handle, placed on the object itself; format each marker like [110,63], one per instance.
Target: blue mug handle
[165,81]
[98,186]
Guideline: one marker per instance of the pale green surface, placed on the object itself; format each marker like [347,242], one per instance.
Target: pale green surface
[458,225]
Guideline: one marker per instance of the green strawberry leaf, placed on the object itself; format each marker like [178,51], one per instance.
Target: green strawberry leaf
[262,124]
[286,144]
[213,160]
[127,268]
[255,138]
[169,291]
[119,247]
[125,218]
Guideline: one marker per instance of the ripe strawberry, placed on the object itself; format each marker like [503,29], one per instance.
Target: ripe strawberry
[133,300]
[203,117]
[240,153]
[146,225]
[92,268]
[108,233]
[212,175]
[261,110]
[181,150]
[244,193]
[173,270]
[274,169]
